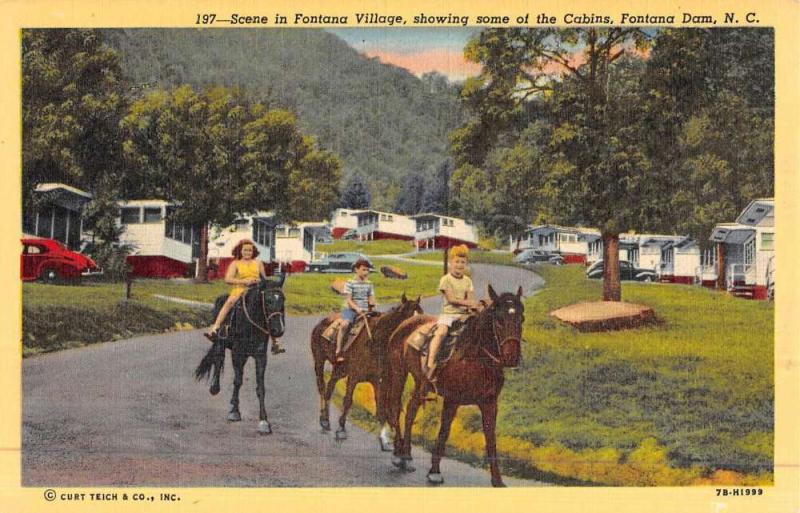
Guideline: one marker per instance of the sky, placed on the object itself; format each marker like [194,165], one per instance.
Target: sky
[419,50]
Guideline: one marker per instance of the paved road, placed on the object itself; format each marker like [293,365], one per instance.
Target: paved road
[129,413]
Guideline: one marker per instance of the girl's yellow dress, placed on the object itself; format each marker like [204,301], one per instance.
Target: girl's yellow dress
[245,270]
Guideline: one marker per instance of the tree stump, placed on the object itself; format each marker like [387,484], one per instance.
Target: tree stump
[391,271]
[605,315]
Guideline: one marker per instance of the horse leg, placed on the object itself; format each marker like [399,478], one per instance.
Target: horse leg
[411,413]
[219,362]
[319,371]
[238,378]
[347,403]
[326,400]
[448,413]
[261,366]
[489,417]
[380,412]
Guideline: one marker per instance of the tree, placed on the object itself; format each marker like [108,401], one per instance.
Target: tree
[409,201]
[436,195]
[356,193]
[73,98]
[596,172]
[216,156]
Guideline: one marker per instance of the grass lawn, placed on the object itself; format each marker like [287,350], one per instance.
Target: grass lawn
[688,402]
[375,247]
[55,317]
[475,256]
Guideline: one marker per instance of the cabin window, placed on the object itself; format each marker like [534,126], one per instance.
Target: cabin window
[308,241]
[343,214]
[34,250]
[750,252]
[767,241]
[390,217]
[152,214]
[261,233]
[294,232]
[384,217]
[130,215]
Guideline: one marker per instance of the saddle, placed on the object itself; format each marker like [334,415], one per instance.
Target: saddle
[354,330]
[420,340]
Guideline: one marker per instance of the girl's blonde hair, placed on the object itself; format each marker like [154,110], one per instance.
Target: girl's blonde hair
[461,251]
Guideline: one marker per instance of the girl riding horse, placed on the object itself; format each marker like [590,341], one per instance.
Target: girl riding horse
[243,272]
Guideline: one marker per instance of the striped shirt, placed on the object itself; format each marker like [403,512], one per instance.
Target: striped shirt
[360,291]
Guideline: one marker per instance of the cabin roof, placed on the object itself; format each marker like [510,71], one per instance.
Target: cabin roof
[756,211]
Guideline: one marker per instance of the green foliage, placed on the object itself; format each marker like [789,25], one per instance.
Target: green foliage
[373,247]
[73,97]
[673,141]
[378,119]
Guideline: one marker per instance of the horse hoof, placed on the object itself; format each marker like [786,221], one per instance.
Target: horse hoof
[435,478]
[398,462]
[341,434]
[214,389]
[234,416]
[264,428]
[326,425]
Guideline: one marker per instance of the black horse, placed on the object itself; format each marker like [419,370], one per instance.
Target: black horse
[257,316]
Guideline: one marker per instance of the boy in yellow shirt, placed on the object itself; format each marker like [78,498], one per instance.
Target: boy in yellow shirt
[458,296]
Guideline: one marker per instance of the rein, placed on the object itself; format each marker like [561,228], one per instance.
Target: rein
[267,317]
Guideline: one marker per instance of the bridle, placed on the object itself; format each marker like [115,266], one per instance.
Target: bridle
[498,344]
[264,310]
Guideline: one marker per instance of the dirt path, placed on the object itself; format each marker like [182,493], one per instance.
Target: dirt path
[130,413]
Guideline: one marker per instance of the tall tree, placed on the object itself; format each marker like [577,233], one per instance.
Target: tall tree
[216,156]
[356,193]
[599,175]
[409,200]
[73,98]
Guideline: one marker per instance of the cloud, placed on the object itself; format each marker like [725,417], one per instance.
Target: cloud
[446,61]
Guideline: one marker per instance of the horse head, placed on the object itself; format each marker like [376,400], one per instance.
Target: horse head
[274,303]
[409,307]
[505,314]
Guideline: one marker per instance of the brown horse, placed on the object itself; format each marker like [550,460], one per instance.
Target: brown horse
[366,362]
[490,342]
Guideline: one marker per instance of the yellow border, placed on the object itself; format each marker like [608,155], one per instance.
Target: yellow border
[781,498]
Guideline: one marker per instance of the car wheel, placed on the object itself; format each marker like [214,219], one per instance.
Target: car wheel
[50,275]
[648,279]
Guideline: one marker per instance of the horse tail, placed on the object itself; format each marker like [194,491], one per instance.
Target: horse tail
[214,356]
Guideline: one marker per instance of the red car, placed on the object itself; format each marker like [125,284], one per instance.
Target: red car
[52,262]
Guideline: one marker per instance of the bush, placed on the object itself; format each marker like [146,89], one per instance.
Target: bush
[112,260]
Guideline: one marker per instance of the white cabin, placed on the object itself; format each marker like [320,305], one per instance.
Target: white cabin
[574,244]
[746,251]
[377,225]
[159,248]
[434,231]
[297,242]
[342,220]
[259,228]
[59,214]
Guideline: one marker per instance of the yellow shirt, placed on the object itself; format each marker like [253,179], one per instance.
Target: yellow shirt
[245,270]
[458,287]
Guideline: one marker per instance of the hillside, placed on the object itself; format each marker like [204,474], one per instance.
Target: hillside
[380,119]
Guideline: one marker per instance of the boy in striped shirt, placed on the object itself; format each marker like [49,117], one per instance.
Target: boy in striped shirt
[359,298]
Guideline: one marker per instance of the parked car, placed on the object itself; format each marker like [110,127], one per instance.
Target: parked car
[350,235]
[50,261]
[338,263]
[537,256]
[627,271]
